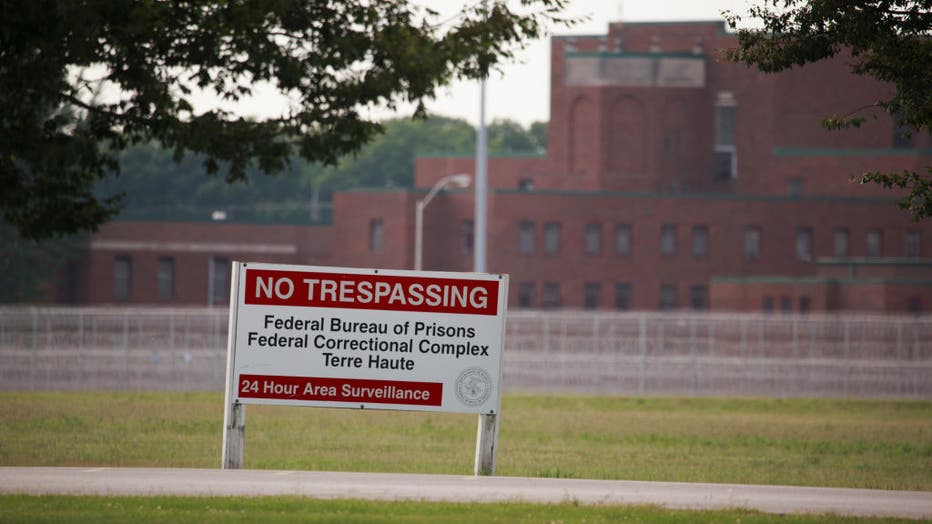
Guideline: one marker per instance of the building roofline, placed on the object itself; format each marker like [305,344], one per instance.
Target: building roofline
[710,21]
[699,196]
[779,279]
[655,195]
[635,54]
[466,154]
[873,261]
[847,151]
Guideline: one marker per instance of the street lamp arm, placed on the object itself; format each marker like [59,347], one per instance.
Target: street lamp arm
[459,179]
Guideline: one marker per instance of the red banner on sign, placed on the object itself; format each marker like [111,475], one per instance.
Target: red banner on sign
[371,291]
[355,391]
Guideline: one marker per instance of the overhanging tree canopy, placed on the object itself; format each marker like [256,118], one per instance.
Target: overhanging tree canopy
[80,81]
[890,40]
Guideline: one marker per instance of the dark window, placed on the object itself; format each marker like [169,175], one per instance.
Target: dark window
[376,234]
[622,296]
[723,169]
[911,241]
[700,241]
[767,304]
[786,305]
[805,304]
[526,294]
[623,240]
[699,297]
[874,243]
[526,184]
[752,242]
[552,238]
[219,281]
[840,242]
[122,277]
[668,240]
[804,243]
[667,297]
[726,162]
[165,278]
[903,136]
[592,292]
[551,295]
[593,239]
[467,237]
[914,305]
[526,238]
[794,187]
[724,125]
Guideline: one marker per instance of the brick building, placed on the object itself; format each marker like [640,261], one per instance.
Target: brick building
[672,179]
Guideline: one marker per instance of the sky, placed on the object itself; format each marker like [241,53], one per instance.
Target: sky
[522,91]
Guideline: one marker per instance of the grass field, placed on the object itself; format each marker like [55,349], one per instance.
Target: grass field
[179,510]
[863,444]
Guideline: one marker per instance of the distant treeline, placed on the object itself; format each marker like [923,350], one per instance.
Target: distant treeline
[157,187]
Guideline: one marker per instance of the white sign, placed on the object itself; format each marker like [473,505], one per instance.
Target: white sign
[363,338]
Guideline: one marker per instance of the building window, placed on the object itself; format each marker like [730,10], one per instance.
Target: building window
[467,237]
[903,136]
[622,296]
[794,187]
[699,297]
[911,243]
[914,305]
[122,277]
[668,240]
[526,237]
[593,239]
[165,278]
[526,184]
[526,294]
[874,243]
[767,304]
[219,281]
[786,305]
[840,242]
[623,240]
[726,158]
[592,292]
[752,242]
[551,238]
[551,295]
[667,297]
[804,243]
[376,234]
[700,241]
[805,304]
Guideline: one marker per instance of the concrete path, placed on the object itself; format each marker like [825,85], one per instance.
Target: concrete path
[389,486]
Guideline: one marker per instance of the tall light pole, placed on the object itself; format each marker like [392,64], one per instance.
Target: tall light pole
[459,180]
[487,432]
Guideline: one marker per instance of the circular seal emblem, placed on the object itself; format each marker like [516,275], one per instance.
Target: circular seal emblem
[473,386]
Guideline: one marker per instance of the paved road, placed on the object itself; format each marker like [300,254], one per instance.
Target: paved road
[389,486]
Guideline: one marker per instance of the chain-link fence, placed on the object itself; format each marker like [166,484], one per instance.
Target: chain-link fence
[568,352]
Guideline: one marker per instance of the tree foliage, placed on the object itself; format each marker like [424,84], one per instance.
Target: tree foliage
[82,81]
[156,187]
[890,40]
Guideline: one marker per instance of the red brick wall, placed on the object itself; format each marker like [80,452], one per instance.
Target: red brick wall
[353,214]
[192,246]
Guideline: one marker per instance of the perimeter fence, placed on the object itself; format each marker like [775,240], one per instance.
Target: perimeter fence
[638,353]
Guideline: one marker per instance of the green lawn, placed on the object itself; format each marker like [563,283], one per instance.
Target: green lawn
[269,510]
[863,444]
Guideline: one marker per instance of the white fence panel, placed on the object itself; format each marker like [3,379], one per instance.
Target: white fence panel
[545,352]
